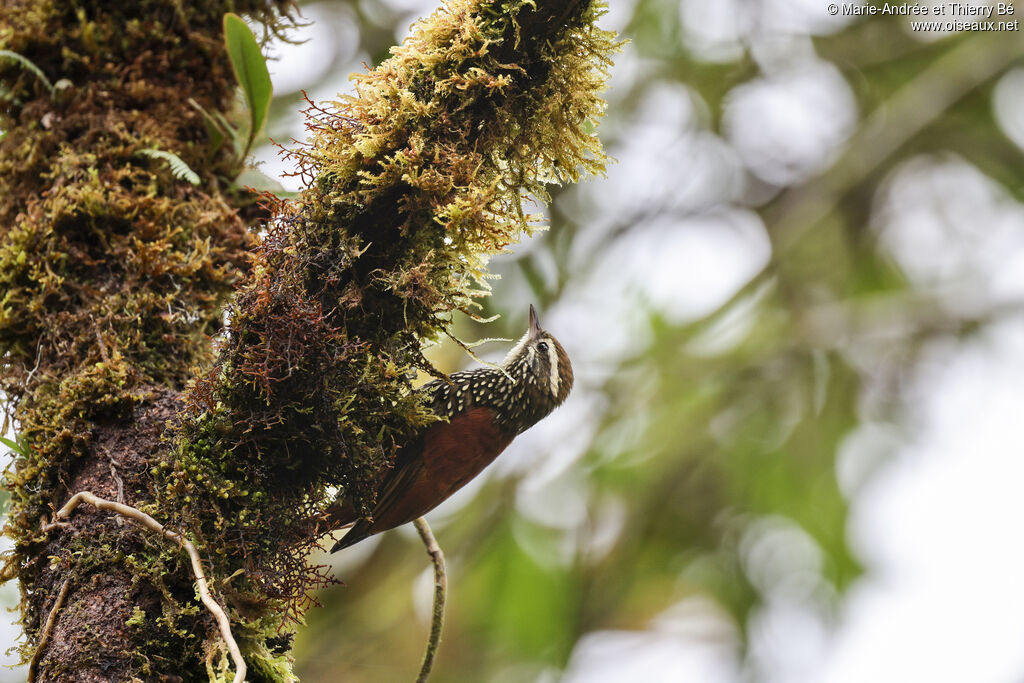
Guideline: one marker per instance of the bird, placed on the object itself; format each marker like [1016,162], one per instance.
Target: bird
[482,411]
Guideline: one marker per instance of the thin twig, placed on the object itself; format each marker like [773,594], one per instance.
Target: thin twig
[197,569]
[440,590]
[102,345]
[44,635]
[39,357]
[114,464]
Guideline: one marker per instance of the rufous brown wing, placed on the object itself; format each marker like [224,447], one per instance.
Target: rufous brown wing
[452,453]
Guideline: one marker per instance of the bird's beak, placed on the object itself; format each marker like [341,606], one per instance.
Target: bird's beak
[534,324]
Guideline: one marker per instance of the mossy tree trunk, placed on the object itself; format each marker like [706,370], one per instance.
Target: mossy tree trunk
[115,274]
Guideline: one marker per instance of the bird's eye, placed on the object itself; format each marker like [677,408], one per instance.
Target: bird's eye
[543,346]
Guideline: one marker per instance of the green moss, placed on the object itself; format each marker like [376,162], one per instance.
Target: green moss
[416,183]
[114,278]
[113,274]
[138,618]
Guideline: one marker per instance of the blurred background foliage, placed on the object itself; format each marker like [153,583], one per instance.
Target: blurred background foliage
[804,208]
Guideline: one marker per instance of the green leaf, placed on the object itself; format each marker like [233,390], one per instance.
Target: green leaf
[233,133]
[18,448]
[214,130]
[28,64]
[251,70]
[179,168]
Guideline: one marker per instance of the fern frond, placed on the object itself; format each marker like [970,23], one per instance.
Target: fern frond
[179,168]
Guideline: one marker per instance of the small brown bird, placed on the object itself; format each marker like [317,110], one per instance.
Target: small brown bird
[485,409]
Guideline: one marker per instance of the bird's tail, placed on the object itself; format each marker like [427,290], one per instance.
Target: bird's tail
[359,531]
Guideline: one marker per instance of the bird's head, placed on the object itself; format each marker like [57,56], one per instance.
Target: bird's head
[541,362]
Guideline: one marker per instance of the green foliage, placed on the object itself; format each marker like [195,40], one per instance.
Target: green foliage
[179,168]
[217,129]
[251,71]
[527,596]
[18,446]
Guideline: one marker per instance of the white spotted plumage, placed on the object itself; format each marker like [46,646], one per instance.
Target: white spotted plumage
[530,382]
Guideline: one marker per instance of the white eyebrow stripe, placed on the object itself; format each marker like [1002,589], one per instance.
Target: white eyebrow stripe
[555,380]
[515,350]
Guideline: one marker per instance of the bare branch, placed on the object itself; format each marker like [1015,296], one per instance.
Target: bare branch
[440,590]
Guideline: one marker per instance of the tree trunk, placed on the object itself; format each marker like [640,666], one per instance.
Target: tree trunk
[114,275]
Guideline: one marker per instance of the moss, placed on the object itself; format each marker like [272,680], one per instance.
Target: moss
[115,275]
[137,619]
[113,272]
[415,183]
